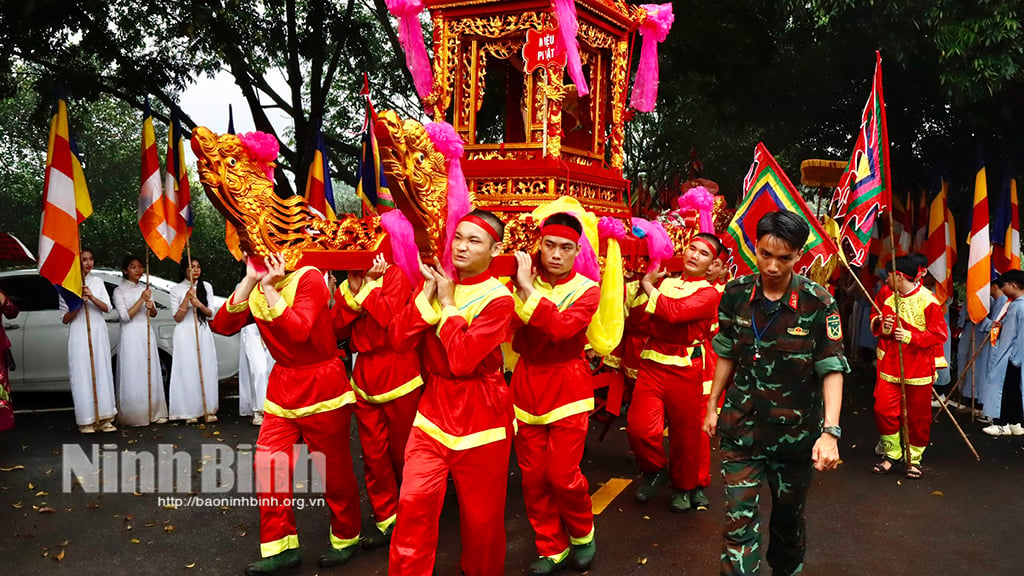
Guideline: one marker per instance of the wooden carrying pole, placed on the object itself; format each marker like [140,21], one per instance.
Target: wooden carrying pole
[195,324]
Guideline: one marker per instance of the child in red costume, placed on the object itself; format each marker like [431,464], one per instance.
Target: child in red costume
[387,383]
[464,425]
[308,399]
[553,395]
[918,329]
[671,380]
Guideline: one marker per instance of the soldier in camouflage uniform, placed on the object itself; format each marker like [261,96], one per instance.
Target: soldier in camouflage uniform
[780,336]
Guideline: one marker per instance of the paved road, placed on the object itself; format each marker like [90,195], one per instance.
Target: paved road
[964,517]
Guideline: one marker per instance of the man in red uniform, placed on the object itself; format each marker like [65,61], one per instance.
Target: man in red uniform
[918,328]
[464,425]
[387,383]
[671,380]
[308,399]
[553,395]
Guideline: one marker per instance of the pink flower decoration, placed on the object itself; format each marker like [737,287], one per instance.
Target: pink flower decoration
[410,36]
[654,29]
[449,143]
[263,148]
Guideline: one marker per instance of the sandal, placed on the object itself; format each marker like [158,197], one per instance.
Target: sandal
[914,472]
[884,466]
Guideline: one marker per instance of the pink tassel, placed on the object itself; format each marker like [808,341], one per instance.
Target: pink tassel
[410,36]
[586,262]
[565,12]
[659,244]
[403,243]
[263,148]
[701,200]
[449,144]
[608,227]
[654,29]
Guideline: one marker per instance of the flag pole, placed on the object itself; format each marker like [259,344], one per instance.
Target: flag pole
[904,428]
[149,354]
[974,374]
[92,361]
[195,324]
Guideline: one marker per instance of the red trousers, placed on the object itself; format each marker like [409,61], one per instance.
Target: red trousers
[556,492]
[919,411]
[327,436]
[383,433]
[678,393]
[481,479]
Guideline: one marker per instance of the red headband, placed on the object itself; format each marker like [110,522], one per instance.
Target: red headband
[473,219]
[706,242]
[560,230]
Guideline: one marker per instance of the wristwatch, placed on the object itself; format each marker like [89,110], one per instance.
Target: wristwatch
[835,431]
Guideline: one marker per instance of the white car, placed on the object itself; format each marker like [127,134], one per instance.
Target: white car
[40,340]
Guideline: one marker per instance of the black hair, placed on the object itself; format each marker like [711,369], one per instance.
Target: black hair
[491,219]
[1012,276]
[910,264]
[127,261]
[87,249]
[565,219]
[785,226]
[719,247]
[200,285]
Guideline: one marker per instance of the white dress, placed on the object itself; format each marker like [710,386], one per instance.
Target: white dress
[254,364]
[132,387]
[80,370]
[187,390]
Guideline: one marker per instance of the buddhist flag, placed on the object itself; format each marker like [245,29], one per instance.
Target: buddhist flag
[372,188]
[1006,229]
[66,204]
[940,248]
[864,190]
[979,265]
[319,191]
[177,197]
[768,189]
[152,215]
[230,234]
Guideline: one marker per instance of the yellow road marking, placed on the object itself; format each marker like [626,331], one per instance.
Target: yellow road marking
[605,494]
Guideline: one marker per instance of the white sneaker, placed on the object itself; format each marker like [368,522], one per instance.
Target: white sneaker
[257,418]
[997,430]
[1016,429]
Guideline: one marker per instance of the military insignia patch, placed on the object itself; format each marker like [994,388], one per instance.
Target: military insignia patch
[834,328]
[798,331]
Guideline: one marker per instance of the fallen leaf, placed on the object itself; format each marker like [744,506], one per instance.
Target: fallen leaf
[168,528]
[65,543]
[641,560]
[192,565]
[46,510]
[647,517]
[17,505]
[938,493]
[12,468]
[48,472]
[217,433]
[42,493]
[31,486]
[170,507]
[127,526]
[92,505]
[135,540]
[59,556]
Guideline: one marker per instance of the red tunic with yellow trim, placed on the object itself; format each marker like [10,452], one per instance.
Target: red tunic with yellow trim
[298,334]
[364,317]
[551,333]
[626,355]
[465,402]
[921,316]
[680,313]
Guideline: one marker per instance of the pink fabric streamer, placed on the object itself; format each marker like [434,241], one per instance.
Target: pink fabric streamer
[702,201]
[449,144]
[659,244]
[565,12]
[654,29]
[410,36]
[609,227]
[263,148]
[403,243]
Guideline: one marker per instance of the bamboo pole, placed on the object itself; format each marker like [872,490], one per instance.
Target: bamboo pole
[957,424]
[904,428]
[974,374]
[195,324]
